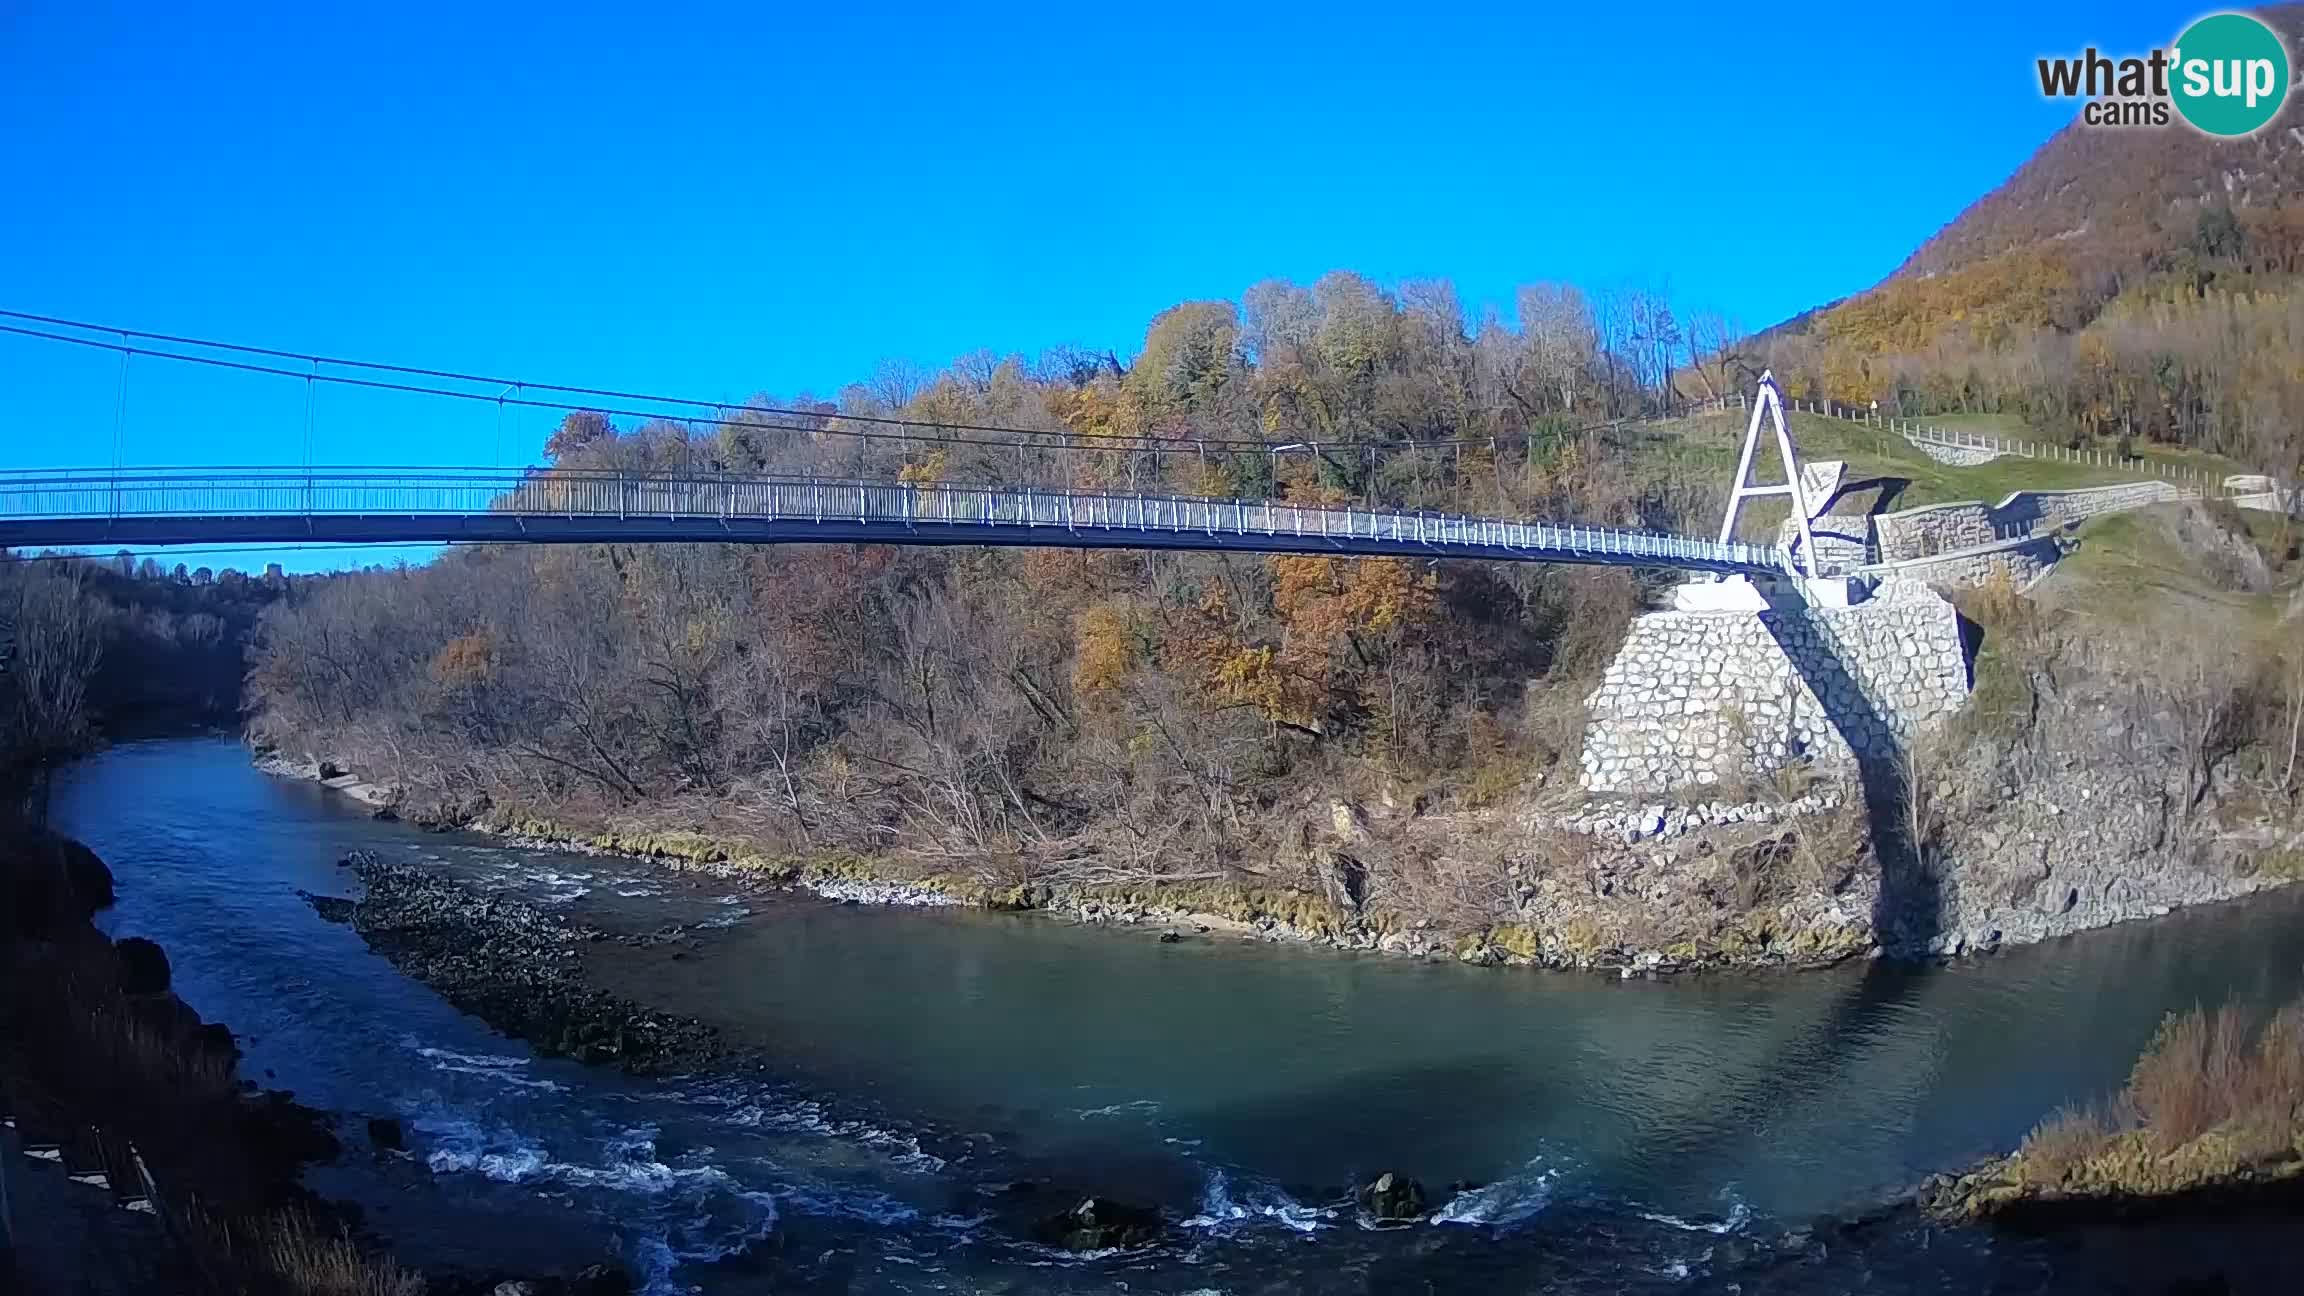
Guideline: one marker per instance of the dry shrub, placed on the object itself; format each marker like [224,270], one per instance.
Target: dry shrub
[1494,766]
[288,1253]
[1997,605]
[1453,892]
[1829,842]
[2063,1143]
[2188,1080]
[1594,607]
[309,1263]
[131,1055]
[2017,642]
[2275,1082]
[2213,1096]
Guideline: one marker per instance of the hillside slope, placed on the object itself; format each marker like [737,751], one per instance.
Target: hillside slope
[2127,288]
[2122,195]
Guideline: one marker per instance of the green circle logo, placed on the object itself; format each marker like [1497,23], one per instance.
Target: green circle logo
[2228,74]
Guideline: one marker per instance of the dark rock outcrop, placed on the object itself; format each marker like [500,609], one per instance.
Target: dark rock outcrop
[53,885]
[1392,1198]
[98,1040]
[592,1280]
[143,967]
[1099,1224]
[335,909]
[517,968]
[385,1134]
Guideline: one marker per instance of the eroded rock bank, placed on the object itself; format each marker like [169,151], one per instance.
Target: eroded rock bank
[100,1049]
[1785,877]
[166,1170]
[518,968]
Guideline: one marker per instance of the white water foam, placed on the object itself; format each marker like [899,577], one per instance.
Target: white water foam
[1223,1209]
[829,1202]
[1738,1215]
[696,1213]
[628,1163]
[806,1117]
[1510,1200]
[501,1077]
[486,1066]
[468,1059]
[460,1146]
[658,1255]
[1144,1105]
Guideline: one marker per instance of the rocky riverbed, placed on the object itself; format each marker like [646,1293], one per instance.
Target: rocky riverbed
[516,967]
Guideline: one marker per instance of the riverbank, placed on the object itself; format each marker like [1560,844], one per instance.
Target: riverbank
[1788,881]
[155,1164]
[138,1099]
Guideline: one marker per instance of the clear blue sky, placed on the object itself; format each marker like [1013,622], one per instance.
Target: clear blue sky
[734,200]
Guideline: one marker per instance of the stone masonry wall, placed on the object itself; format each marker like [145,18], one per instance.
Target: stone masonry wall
[1957,456]
[1697,698]
[2025,561]
[2269,501]
[1943,528]
[1840,540]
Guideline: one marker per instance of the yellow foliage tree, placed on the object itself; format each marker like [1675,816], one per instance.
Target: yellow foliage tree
[927,472]
[1322,600]
[465,661]
[1104,648]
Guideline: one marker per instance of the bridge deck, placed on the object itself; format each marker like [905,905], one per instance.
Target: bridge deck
[450,505]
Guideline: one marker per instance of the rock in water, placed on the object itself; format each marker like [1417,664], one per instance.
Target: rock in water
[385,1134]
[333,909]
[600,1280]
[1393,1198]
[1098,1224]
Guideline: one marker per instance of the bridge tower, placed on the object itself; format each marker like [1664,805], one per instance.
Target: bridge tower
[1803,583]
[1768,402]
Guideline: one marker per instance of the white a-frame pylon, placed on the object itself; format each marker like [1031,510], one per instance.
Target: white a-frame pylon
[1770,402]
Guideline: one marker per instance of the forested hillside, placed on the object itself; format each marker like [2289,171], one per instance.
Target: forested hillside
[92,649]
[2125,283]
[1109,713]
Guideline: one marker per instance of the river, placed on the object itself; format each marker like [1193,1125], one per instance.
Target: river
[1608,1135]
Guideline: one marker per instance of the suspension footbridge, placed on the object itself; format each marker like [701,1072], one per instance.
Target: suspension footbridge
[452,505]
[82,507]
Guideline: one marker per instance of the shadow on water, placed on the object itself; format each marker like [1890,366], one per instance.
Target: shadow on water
[1396,1118]
[1814,1061]
[1906,916]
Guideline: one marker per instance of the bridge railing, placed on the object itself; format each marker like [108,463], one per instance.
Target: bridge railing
[729,497]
